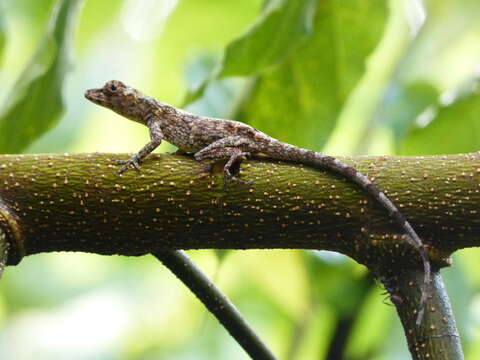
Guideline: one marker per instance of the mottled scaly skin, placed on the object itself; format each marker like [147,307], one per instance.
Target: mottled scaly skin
[210,138]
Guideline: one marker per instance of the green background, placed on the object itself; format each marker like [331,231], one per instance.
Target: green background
[340,77]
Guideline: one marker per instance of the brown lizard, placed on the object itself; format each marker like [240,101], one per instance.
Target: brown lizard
[211,138]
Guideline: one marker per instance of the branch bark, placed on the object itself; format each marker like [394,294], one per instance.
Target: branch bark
[438,337]
[78,203]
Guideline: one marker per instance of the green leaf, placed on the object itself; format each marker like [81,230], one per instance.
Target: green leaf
[403,105]
[306,88]
[419,74]
[437,136]
[2,32]
[282,25]
[35,102]
[299,100]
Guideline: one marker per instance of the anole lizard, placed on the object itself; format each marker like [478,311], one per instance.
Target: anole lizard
[211,138]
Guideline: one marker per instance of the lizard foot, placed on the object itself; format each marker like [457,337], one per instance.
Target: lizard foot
[236,159]
[132,162]
[229,177]
[226,179]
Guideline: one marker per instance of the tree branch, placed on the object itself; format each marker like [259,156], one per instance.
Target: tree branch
[79,203]
[437,338]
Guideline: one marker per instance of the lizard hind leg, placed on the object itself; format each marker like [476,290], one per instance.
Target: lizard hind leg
[231,154]
[236,156]
[134,162]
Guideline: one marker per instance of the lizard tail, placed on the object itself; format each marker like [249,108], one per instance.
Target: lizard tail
[289,152]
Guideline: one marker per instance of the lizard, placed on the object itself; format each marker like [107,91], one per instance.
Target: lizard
[219,139]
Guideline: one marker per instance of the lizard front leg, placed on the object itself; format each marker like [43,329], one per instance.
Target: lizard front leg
[156,137]
[229,148]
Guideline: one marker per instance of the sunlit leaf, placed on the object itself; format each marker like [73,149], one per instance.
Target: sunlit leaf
[280,28]
[2,32]
[453,129]
[298,97]
[35,101]
[299,100]
[441,57]
[107,10]
[404,104]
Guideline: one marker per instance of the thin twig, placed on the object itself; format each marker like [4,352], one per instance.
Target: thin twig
[216,302]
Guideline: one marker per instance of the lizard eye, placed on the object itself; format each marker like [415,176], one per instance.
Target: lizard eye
[113,87]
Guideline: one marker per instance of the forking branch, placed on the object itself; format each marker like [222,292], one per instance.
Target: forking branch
[287,206]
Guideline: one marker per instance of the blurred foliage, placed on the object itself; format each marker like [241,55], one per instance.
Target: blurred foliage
[2,33]
[35,101]
[295,78]
[461,115]
[342,76]
[280,28]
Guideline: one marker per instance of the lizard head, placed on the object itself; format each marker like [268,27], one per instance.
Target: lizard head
[118,97]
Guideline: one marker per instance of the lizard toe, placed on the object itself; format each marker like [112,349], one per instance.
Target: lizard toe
[132,162]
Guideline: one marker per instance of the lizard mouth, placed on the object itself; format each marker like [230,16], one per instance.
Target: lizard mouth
[96,96]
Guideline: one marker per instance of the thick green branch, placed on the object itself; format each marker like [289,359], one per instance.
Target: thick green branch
[79,203]
[437,338]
